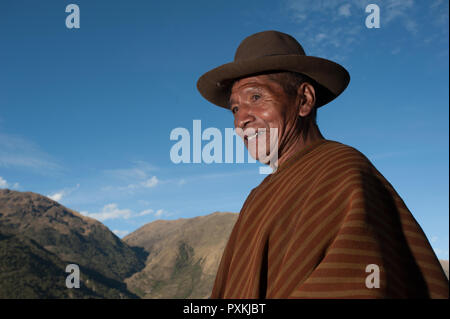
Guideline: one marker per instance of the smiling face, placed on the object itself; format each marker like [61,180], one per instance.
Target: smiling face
[260,105]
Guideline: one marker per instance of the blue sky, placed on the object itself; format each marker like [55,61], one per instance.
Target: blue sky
[86,114]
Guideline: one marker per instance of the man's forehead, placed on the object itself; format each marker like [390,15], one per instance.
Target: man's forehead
[260,81]
[256,79]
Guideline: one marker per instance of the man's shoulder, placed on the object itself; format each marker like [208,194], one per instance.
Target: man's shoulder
[336,149]
[329,158]
[322,161]
[340,145]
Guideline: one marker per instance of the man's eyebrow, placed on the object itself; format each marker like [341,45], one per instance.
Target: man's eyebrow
[255,84]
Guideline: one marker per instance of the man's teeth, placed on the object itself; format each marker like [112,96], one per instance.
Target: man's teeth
[250,137]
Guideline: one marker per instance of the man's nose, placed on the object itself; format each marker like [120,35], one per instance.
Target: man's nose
[243,117]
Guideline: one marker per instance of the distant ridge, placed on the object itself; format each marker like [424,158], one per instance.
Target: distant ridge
[183,258]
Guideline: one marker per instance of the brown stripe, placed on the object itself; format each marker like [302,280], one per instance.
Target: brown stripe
[349,293]
[290,269]
[248,233]
[312,222]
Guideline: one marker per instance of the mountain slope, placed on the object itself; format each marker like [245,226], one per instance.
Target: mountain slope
[27,270]
[183,258]
[47,233]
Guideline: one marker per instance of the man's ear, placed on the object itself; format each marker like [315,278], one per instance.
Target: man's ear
[306,96]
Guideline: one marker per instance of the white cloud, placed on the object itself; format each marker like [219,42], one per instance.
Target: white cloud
[16,151]
[58,196]
[320,37]
[140,170]
[441,253]
[4,184]
[440,10]
[138,176]
[151,182]
[109,211]
[121,233]
[344,10]
[325,25]
[411,26]
[437,3]
[394,9]
[146,212]
[159,213]
[112,211]
[395,51]
[148,183]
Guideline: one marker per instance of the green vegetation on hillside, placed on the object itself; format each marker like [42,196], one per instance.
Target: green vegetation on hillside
[183,256]
[39,238]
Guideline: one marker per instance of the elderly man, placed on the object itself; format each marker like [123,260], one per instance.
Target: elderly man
[325,223]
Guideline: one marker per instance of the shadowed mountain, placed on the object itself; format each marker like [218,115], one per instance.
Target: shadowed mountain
[183,255]
[39,237]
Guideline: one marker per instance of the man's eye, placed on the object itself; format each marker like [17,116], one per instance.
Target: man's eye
[255,97]
[234,109]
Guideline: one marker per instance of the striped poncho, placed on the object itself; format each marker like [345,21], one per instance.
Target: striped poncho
[312,228]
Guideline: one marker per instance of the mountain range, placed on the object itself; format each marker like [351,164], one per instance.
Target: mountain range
[39,238]
[163,259]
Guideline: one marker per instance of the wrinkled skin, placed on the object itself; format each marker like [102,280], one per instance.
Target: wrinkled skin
[260,104]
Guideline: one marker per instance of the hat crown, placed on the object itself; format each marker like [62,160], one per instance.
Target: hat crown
[267,43]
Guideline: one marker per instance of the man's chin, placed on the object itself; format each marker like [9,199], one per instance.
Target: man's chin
[262,159]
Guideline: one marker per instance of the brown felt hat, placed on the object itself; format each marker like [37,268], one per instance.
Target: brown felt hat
[269,51]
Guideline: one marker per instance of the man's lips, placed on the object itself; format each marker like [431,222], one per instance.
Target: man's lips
[254,135]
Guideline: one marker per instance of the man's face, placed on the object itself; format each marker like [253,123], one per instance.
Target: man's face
[260,105]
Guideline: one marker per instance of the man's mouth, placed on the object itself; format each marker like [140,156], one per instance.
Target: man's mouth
[253,136]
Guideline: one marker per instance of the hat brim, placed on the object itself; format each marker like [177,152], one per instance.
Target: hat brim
[332,77]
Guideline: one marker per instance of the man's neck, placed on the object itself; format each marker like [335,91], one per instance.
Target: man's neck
[313,136]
